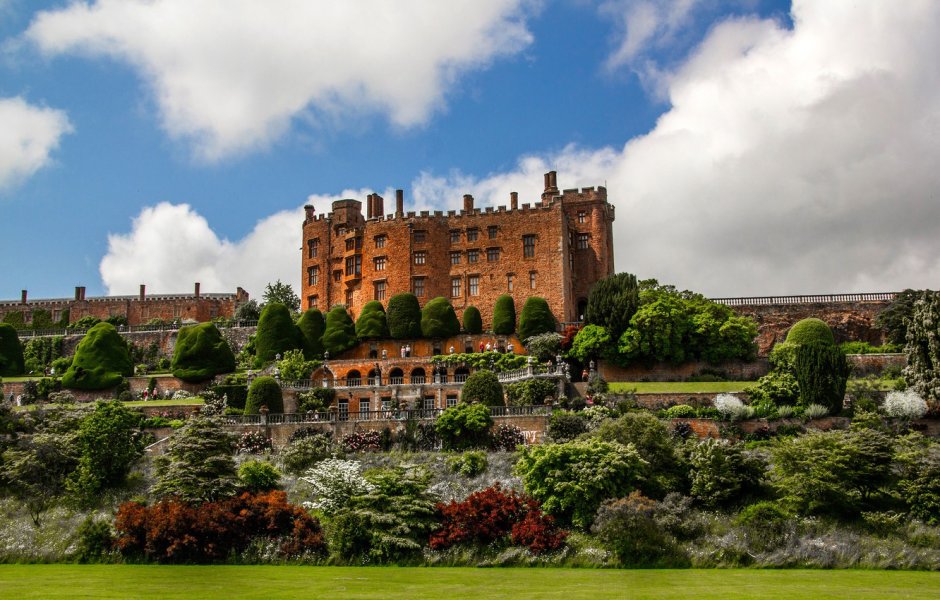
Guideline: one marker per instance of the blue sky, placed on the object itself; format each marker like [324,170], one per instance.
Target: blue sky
[751,147]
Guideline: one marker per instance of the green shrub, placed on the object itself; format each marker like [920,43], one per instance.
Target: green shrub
[612,303]
[340,333]
[720,472]
[680,411]
[504,315]
[564,426]
[777,388]
[264,391]
[372,323]
[11,351]
[311,326]
[259,476]
[628,528]
[468,464]
[234,388]
[472,321]
[483,387]
[316,400]
[201,353]
[821,372]
[94,540]
[765,522]
[536,318]
[438,319]
[294,366]
[592,341]
[301,454]
[662,470]
[101,360]
[404,316]
[531,392]
[810,330]
[276,333]
[464,426]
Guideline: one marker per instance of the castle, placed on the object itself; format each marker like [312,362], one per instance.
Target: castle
[555,248]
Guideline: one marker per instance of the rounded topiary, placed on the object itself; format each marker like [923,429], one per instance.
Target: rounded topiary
[101,360]
[404,317]
[372,323]
[438,319]
[536,318]
[340,333]
[504,315]
[472,321]
[311,326]
[276,333]
[484,387]
[201,353]
[264,391]
[810,330]
[11,351]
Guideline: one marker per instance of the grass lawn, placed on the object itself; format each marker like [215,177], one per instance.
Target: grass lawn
[131,404]
[388,583]
[679,387]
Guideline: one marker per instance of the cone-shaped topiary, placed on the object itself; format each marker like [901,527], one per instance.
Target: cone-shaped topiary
[810,330]
[340,333]
[404,317]
[536,318]
[311,326]
[472,321]
[438,319]
[11,351]
[484,387]
[264,391]
[201,353]
[101,360]
[821,373]
[276,333]
[504,315]
[372,323]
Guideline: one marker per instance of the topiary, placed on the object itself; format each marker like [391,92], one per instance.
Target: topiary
[438,319]
[472,321]
[483,387]
[340,333]
[404,316]
[201,353]
[822,372]
[311,325]
[504,315]
[372,322]
[264,391]
[536,318]
[276,333]
[101,360]
[11,351]
[810,330]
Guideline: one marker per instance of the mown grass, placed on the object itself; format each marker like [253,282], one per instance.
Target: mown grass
[680,387]
[388,583]
[133,404]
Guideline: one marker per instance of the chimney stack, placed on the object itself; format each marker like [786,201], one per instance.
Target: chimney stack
[369,206]
[467,203]
[143,292]
[78,293]
[513,200]
[399,203]
[553,176]
[309,212]
[196,291]
[378,206]
[23,297]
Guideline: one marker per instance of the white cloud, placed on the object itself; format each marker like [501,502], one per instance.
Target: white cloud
[30,135]
[231,75]
[642,25]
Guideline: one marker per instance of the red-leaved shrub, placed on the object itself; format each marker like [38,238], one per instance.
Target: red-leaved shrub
[175,531]
[538,532]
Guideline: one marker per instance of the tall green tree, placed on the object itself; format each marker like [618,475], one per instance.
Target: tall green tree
[472,321]
[276,333]
[895,317]
[198,465]
[35,469]
[372,323]
[311,325]
[822,372]
[281,293]
[201,353]
[504,315]
[102,359]
[11,351]
[404,316]
[923,348]
[340,333]
[438,319]
[536,318]
[612,303]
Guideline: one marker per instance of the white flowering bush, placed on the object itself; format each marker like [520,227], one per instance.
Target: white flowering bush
[181,395]
[815,411]
[333,482]
[730,407]
[905,405]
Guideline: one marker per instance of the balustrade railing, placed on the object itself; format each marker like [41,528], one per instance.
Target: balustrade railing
[30,333]
[808,299]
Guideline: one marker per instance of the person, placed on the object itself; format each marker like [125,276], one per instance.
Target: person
[384,354]
[481,346]
[509,347]
[403,352]
[489,346]
[450,350]
[407,350]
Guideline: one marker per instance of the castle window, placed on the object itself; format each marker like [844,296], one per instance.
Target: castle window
[380,241]
[420,236]
[379,262]
[528,246]
[472,234]
[341,231]
[473,285]
[421,258]
[337,275]
[313,301]
[349,298]
[354,265]
[510,282]
[380,290]
[313,276]
[582,216]
[492,254]
[455,284]
[455,258]
[358,242]
[491,231]
[583,240]
[473,256]
[350,244]
[454,236]
[313,247]
[417,287]
[532,275]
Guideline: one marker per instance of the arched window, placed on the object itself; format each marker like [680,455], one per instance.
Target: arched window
[396,376]
[418,375]
[374,377]
[353,378]
[461,374]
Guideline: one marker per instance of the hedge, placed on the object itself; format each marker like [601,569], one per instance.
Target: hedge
[11,351]
[263,391]
[810,330]
[438,319]
[536,318]
[483,387]
[340,333]
[201,353]
[472,321]
[404,317]
[372,323]
[276,333]
[504,315]
[311,325]
[101,360]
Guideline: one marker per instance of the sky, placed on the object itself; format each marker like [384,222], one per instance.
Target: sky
[750,147]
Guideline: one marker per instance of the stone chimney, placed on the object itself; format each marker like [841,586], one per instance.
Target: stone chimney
[143,292]
[399,203]
[196,290]
[78,293]
[23,297]
[309,212]
[513,200]
[467,203]
[551,187]
[378,206]
[369,206]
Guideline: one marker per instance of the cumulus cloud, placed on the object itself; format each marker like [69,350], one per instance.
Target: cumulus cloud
[232,75]
[642,25]
[30,135]
[790,161]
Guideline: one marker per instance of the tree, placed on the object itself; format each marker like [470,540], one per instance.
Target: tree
[472,321]
[35,470]
[101,360]
[438,319]
[372,323]
[464,426]
[720,472]
[248,311]
[276,333]
[404,316]
[340,333]
[294,367]
[536,318]
[923,348]
[201,353]
[281,293]
[11,351]
[822,372]
[311,325]
[895,317]
[544,346]
[264,391]
[612,303]
[483,387]
[810,330]
[653,440]
[592,341]
[198,464]
[504,315]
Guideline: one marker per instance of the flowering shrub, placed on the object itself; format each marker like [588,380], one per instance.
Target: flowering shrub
[253,442]
[181,395]
[905,405]
[362,441]
[333,482]
[507,437]
[175,531]
[730,407]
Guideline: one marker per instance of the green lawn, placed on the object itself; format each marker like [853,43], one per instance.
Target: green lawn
[680,387]
[388,583]
[132,404]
